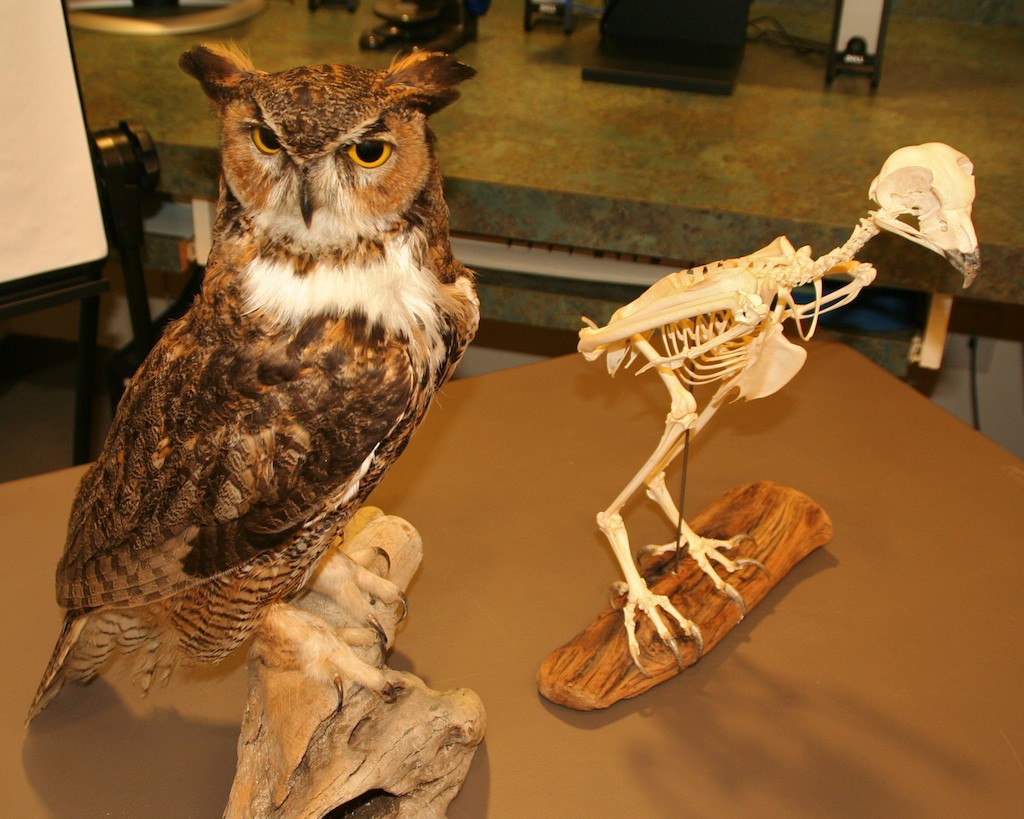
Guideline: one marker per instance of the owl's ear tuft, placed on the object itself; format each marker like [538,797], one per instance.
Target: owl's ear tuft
[218,67]
[426,79]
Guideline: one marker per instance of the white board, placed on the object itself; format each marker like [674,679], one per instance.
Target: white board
[50,214]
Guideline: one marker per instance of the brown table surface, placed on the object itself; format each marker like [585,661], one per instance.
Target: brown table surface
[883,676]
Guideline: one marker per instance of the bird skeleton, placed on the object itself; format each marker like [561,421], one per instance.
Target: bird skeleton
[723,323]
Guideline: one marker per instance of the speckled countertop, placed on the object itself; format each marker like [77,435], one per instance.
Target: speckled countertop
[534,152]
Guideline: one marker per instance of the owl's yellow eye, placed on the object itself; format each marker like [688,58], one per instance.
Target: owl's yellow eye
[265,140]
[371,153]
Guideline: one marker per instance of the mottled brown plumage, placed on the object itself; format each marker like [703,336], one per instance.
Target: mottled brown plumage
[331,312]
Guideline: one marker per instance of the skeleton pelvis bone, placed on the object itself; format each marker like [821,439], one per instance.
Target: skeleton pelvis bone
[724,324]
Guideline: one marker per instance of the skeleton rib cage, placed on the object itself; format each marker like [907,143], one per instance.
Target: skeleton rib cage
[722,361]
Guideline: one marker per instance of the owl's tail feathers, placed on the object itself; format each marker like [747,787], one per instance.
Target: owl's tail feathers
[59,670]
[90,639]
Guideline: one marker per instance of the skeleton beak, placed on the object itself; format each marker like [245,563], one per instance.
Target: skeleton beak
[967,263]
[965,255]
[952,235]
[948,233]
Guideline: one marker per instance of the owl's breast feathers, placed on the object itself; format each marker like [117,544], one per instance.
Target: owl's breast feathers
[241,442]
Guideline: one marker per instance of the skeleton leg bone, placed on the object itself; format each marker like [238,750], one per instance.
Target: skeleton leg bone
[638,596]
[702,550]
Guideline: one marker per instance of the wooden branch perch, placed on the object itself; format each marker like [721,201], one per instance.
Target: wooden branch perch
[594,670]
[301,753]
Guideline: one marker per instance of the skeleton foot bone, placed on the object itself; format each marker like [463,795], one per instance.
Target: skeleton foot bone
[642,598]
[594,669]
[639,596]
[707,552]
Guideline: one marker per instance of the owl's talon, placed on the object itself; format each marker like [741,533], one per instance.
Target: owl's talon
[403,602]
[391,692]
[382,637]
[373,559]
[355,588]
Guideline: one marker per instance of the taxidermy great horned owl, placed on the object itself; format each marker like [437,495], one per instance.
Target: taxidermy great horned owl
[331,312]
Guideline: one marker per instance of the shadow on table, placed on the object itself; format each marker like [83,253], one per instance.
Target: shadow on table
[98,759]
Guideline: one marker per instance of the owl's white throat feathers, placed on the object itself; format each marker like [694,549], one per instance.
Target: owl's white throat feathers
[391,290]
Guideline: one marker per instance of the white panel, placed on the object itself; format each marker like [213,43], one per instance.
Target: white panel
[49,209]
[560,263]
[933,343]
[860,18]
[204,214]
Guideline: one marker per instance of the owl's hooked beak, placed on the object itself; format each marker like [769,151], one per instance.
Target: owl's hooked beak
[306,204]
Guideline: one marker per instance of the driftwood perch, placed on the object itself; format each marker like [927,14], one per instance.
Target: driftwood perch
[595,670]
[306,752]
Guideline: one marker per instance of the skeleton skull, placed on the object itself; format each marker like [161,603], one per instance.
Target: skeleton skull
[932,184]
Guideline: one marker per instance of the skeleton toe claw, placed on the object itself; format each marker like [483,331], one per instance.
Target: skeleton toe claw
[736,598]
[693,632]
[655,550]
[637,662]
[750,561]
[674,648]
[649,605]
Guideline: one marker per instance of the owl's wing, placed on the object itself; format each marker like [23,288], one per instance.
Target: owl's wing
[206,470]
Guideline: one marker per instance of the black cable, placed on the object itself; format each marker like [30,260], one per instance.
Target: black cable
[774,33]
[972,346]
